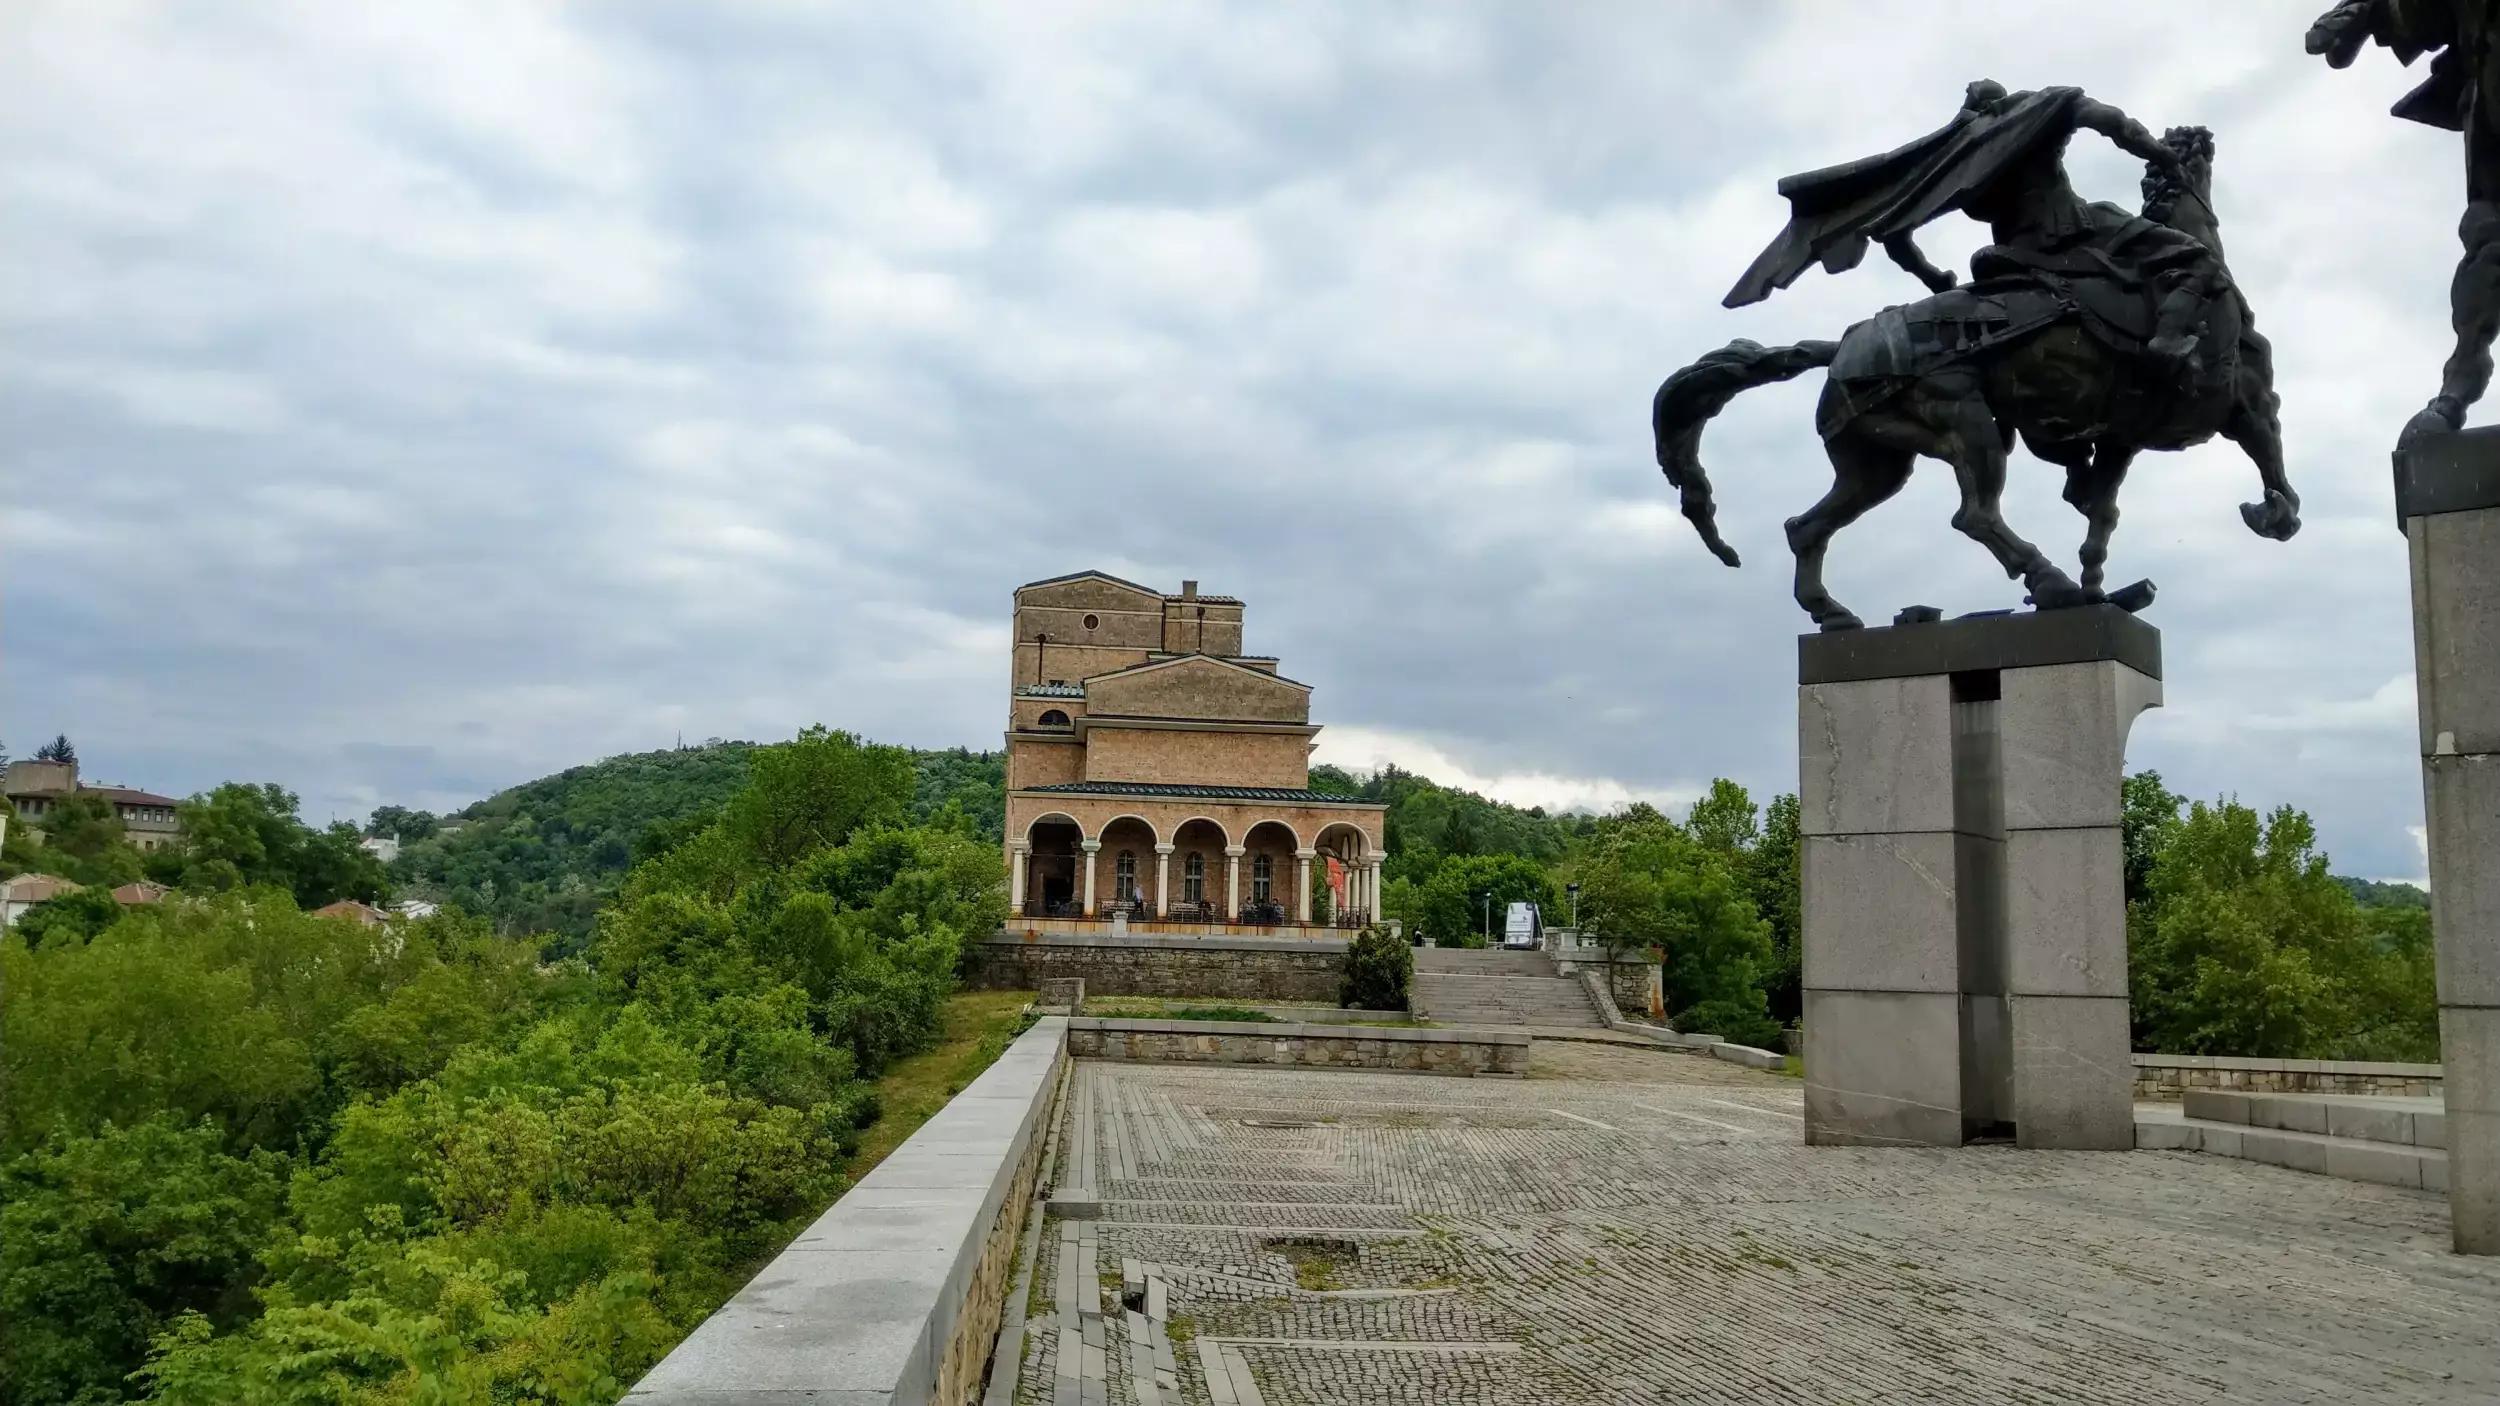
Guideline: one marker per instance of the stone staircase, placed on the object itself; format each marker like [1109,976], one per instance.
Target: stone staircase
[1490,986]
[2386,1139]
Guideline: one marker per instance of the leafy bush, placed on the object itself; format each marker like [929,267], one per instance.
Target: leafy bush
[1378,967]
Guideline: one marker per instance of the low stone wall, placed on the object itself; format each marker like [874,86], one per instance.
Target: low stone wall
[1239,968]
[1636,985]
[1304,1046]
[2166,1077]
[894,1294]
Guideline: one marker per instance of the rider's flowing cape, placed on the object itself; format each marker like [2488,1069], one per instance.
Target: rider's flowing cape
[1834,213]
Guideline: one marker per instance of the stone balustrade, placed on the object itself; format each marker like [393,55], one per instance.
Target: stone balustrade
[894,1294]
[2167,1077]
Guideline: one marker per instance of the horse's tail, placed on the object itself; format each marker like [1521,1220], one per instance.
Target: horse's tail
[1689,398]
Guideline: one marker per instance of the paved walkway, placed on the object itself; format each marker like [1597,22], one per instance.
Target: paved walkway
[1636,1226]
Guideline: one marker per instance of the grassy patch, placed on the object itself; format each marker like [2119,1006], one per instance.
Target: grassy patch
[1181,1329]
[1219,1013]
[1793,1066]
[973,1031]
[1317,1263]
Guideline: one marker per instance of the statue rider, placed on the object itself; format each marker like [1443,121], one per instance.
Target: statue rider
[2001,160]
[2462,94]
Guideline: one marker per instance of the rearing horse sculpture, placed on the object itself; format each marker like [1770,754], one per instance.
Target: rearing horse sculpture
[2090,333]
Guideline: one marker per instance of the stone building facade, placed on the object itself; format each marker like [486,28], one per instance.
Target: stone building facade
[1157,772]
[34,787]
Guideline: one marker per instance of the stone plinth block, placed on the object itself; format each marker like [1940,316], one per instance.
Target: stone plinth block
[1964,935]
[2062,734]
[2456,628]
[1882,1069]
[2469,1056]
[1875,756]
[2074,1086]
[2448,496]
[2066,914]
[1879,912]
[2461,800]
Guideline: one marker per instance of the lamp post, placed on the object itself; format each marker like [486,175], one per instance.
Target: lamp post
[1484,902]
[1573,889]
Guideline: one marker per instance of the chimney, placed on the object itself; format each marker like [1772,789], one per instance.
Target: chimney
[1189,590]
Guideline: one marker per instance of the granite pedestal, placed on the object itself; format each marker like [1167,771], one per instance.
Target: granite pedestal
[2448,496]
[1965,945]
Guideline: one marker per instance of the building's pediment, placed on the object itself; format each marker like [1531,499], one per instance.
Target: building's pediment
[1199,687]
[1089,589]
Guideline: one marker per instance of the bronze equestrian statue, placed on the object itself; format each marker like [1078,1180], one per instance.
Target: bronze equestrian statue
[2461,94]
[2091,333]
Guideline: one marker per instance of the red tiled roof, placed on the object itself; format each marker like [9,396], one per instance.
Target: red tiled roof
[352,910]
[132,894]
[124,795]
[35,888]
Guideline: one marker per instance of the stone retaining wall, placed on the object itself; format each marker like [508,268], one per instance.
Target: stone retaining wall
[2165,1077]
[1304,1046]
[894,1294]
[1238,968]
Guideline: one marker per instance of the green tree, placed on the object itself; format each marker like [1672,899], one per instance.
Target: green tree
[2148,815]
[1775,880]
[1648,884]
[1378,969]
[2244,944]
[57,750]
[1466,893]
[106,1237]
[83,825]
[1724,819]
[74,917]
[811,793]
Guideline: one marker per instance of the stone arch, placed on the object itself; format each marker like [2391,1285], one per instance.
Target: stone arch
[1054,882]
[1125,863]
[1270,866]
[1052,717]
[1153,837]
[1198,863]
[1349,878]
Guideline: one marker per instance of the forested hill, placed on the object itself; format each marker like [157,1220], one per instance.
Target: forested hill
[544,855]
[1428,822]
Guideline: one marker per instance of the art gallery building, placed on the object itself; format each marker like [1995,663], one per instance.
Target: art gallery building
[1158,773]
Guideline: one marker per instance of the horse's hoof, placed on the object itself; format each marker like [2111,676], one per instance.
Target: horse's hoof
[1833,624]
[2059,595]
[2132,599]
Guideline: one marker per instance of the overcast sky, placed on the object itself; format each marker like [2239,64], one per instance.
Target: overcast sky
[400,402]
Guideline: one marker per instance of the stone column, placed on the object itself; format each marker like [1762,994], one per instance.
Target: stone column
[1232,882]
[1163,880]
[1302,884]
[1018,852]
[2448,496]
[1965,917]
[1091,848]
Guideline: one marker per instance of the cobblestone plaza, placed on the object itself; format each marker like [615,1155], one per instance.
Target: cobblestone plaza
[1644,1226]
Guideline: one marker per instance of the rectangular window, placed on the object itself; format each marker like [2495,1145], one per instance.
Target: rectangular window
[1194,878]
[1263,878]
[1125,885]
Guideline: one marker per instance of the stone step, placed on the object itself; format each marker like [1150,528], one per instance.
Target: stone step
[1482,999]
[2412,1122]
[2353,1159]
[1483,961]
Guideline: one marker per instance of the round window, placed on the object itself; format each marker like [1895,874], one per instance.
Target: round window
[1091,621]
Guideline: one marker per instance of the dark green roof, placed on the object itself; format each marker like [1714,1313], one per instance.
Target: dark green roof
[1050,690]
[1273,794]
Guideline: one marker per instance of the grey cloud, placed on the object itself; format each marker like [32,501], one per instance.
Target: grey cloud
[402,405]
